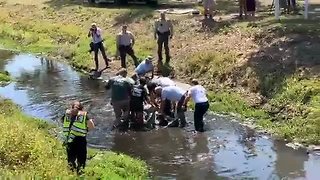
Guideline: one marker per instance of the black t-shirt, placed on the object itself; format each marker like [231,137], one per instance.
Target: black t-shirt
[139,94]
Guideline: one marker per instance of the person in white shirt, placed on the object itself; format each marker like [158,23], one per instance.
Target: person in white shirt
[177,96]
[97,44]
[145,67]
[199,97]
[125,41]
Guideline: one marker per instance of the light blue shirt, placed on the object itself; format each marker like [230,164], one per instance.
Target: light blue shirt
[144,68]
[172,93]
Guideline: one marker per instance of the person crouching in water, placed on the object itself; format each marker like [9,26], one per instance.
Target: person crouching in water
[199,96]
[138,97]
[145,67]
[177,96]
[120,97]
[76,124]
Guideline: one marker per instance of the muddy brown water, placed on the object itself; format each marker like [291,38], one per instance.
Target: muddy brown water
[226,150]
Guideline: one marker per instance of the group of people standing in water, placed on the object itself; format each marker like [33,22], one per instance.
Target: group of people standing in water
[132,97]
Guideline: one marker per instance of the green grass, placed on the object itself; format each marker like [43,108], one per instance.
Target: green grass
[4,77]
[60,37]
[28,150]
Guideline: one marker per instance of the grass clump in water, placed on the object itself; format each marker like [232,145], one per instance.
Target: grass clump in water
[28,150]
[4,77]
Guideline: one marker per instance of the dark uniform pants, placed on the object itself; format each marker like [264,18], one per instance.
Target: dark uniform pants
[124,50]
[200,110]
[96,47]
[77,151]
[163,40]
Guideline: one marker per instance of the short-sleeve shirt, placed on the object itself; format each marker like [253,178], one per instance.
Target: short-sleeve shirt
[172,93]
[97,36]
[120,88]
[125,39]
[138,94]
[198,94]
[163,82]
[144,67]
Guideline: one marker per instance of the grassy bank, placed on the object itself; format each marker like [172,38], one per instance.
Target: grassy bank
[61,31]
[275,83]
[29,150]
[266,70]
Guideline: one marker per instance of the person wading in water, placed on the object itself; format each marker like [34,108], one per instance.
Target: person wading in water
[76,124]
[121,89]
[199,97]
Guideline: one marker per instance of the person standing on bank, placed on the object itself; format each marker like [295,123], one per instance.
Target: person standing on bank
[76,124]
[125,42]
[97,44]
[162,32]
[199,96]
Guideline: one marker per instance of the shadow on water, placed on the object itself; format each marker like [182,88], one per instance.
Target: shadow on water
[227,150]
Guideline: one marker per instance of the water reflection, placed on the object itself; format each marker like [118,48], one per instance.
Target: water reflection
[43,88]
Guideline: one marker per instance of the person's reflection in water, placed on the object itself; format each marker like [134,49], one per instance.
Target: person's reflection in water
[202,166]
[165,150]
[289,162]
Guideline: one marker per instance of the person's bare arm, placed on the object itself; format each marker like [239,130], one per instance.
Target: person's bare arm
[132,39]
[152,72]
[187,99]
[90,124]
[118,41]
[171,28]
[162,104]
[155,29]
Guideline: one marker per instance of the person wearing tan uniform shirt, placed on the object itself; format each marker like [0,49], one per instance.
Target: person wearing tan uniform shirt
[125,42]
[163,30]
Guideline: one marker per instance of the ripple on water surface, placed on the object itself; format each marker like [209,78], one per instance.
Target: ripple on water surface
[44,88]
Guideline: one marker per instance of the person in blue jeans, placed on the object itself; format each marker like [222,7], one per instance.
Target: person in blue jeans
[199,96]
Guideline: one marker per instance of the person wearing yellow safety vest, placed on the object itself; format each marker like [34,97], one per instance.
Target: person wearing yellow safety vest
[76,124]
